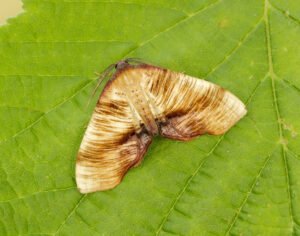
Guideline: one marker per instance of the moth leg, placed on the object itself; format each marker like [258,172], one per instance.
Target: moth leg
[143,142]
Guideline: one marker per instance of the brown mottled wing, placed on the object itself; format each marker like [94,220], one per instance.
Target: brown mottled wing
[110,146]
[187,107]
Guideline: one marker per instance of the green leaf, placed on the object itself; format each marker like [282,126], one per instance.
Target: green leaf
[245,182]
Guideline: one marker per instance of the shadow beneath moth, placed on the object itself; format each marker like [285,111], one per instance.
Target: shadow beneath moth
[141,101]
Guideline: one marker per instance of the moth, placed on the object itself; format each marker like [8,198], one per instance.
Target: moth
[139,102]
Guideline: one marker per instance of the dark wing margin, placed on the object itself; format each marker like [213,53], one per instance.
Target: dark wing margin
[110,146]
[188,107]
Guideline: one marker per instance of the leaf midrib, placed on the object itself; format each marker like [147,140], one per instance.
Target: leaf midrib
[278,114]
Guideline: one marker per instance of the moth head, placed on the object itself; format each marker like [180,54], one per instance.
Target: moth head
[121,64]
[128,61]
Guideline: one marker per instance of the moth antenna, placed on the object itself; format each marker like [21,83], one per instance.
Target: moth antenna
[101,78]
[138,61]
[135,60]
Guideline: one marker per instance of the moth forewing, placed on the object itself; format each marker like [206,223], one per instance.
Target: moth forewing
[141,101]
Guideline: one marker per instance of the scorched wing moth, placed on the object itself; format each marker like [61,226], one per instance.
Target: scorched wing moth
[141,101]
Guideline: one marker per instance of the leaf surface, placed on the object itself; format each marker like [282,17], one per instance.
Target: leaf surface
[245,182]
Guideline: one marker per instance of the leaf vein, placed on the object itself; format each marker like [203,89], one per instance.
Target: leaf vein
[285,13]
[36,193]
[20,108]
[127,54]
[129,3]
[180,21]
[295,155]
[187,184]
[32,124]
[28,75]
[235,49]
[67,42]
[276,106]
[81,199]
[239,210]
[160,227]
[290,84]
